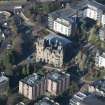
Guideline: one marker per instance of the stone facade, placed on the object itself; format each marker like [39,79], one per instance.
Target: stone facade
[57,82]
[33,86]
[53,50]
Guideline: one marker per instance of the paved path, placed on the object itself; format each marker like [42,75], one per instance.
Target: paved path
[51,68]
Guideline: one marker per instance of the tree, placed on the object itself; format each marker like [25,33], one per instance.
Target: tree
[7,62]
[2,67]
[81,59]
[73,88]
[23,71]
[14,99]
[3,100]
[17,43]
[27,69]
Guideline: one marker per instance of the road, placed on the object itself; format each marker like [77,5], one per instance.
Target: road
[27,20]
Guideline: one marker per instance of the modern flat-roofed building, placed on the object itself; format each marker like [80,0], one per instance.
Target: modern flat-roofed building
[63,26]
[57,82]
[33,86]
[54,49]
[4,85]
[63,21]
[92,10]
[46,101]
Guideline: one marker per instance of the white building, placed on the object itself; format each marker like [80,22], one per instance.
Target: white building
[100,60]
[103,19]
[93,10]
[62,26]
[63,21]
[102,34]
[90,12]
[4,85]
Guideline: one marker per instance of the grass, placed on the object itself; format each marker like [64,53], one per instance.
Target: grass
[97,75]
[43,32]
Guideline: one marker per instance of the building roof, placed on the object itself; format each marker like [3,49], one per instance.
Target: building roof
[69,12]
[84,3]
[87,100]
[20,103]
[57,75]
[65,13]
[93,100]
[32,79]
[53,38]
[3,78]
[46,101]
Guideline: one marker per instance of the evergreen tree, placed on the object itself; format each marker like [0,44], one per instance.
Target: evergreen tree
[27,69]
[24,71]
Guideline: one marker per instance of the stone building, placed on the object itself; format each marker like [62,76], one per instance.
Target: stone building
[54,50]
[33,86]
[57,82]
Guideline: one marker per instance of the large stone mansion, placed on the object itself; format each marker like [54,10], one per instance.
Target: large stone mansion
[54,50]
